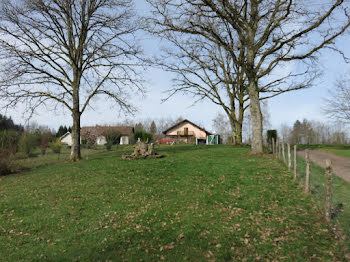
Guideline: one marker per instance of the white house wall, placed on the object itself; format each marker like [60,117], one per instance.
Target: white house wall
[67,140]
[100,141]
[124,140]
[197,132]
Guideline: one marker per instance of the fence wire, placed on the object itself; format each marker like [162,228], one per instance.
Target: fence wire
[340,201]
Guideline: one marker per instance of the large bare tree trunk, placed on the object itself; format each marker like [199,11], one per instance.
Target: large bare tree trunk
[252,74]
[255,110]
[75,151]
[239,139]
[239,123]
[236,128]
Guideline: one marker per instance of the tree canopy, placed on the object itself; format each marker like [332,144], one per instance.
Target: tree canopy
[66,53]
[270,34]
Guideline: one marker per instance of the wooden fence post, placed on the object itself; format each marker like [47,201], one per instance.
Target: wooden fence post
[295,162]
[283,153]
[276,152]
[273,146]
[279,149]
[307,177]
[289,158]
[328,201]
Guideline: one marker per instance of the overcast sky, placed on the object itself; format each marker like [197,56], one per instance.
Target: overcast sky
[286,108]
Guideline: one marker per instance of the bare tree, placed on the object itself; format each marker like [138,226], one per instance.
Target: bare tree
[247,123]
[284,133]
[221,126]
[67,52]
[337,104]
[272,33]
[206,71]
[314,132]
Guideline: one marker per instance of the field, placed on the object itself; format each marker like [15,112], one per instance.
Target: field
[340,150]
[197,203]
[343,151]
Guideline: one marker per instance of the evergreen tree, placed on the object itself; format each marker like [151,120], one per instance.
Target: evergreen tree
[6,123]
[61,131]
[153,128]
[139,127]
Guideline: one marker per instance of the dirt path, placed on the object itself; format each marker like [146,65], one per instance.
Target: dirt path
[341,165]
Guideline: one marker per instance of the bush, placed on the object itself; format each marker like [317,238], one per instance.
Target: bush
[112,138]
[8,147]
[108,146]
[43,146]
[9,141]
[56,146]
[271,134]
[28,142]
[45,139]
[143,135]
[88,138]
[6,158]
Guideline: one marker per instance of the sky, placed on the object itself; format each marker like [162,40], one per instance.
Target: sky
[283,109]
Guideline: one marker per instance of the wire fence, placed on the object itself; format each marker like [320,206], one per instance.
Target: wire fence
[332,193]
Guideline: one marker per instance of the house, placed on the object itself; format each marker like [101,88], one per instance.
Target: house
[66,139]
[95,133]
[187,132]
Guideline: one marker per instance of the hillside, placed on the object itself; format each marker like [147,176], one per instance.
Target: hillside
[197,203]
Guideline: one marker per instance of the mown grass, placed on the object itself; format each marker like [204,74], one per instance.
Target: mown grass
[344,152]
[20,162]
[197,203]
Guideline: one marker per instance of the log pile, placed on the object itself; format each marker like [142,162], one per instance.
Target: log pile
[142,150]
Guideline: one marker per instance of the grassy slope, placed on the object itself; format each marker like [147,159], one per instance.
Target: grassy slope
[198,203]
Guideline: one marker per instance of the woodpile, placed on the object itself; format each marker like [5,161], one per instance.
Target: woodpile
[142,150]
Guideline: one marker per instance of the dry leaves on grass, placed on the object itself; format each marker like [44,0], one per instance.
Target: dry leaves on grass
[169,246]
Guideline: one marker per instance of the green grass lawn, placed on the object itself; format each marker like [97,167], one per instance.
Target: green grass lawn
[340,151]
[22,162]
[197,203]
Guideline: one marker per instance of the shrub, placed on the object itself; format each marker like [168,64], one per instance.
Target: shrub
[43,146]
[27,143]
[6,158]
[143,135]
[9,140]
[8,147]
[56,146]
[271,134]
[108,146]
[112,138]
[88,138]
[45,139]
